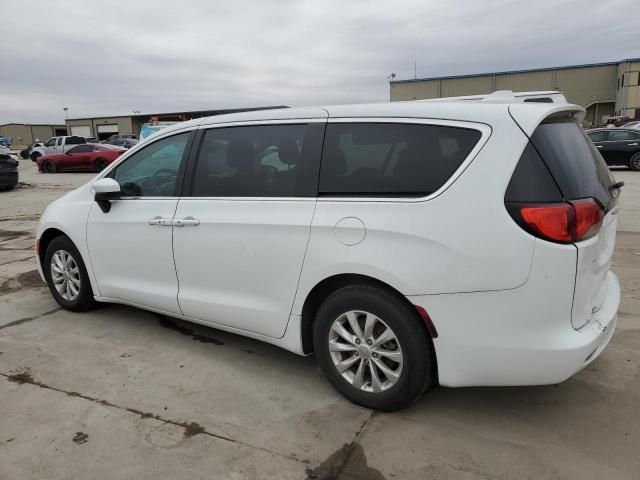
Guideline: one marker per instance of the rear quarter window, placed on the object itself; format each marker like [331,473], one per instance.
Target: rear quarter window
[392,159]
[574,162]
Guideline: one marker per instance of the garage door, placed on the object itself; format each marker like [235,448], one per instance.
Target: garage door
[107,128]
[81,130]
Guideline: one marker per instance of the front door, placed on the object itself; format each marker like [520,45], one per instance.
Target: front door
[131,245]
[246,225]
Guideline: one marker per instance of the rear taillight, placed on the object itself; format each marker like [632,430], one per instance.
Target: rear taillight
[561,222]
[589,217]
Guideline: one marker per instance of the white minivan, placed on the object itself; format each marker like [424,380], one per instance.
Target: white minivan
[410,244]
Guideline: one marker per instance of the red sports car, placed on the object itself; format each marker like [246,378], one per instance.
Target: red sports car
[87,157]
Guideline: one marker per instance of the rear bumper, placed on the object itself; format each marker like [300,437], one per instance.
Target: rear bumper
[8,178]
[504,338]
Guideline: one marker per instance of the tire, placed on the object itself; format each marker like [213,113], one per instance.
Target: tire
[634,162]
[79,300]
[417,371]
[100,164]
[35,156]
[49,167]
[24,154]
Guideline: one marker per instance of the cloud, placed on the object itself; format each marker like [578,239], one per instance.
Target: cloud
[152,55]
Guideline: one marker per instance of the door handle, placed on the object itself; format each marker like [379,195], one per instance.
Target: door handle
[599,146]
[635,144]
[163,222]
[186,222]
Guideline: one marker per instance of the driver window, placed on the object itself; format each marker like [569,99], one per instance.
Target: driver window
[51,142]
[152,172]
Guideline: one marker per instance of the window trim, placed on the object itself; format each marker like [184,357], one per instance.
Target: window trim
[485,132]
[191,132]
[195,151]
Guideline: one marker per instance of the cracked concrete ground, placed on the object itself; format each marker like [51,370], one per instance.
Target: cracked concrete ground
[123,393]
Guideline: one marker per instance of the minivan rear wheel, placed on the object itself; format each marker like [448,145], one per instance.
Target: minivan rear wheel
[372,348]
[634,162]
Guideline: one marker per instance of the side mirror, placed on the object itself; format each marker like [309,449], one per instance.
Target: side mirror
[105,190]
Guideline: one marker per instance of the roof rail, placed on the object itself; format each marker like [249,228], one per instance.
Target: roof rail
[507,96]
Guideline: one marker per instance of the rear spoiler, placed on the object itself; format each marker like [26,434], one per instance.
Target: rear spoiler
[507,96]
[528,116]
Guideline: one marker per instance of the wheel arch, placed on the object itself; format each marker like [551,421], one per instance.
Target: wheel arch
[45,239]
[326,287]
[54,230]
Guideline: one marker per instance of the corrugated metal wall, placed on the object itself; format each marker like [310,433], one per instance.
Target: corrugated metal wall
[583,85]
[525,82]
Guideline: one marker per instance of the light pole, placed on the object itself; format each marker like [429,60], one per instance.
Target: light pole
[66,111]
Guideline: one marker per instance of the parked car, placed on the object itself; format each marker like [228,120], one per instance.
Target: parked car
[635,125]
[125,143]
[618,146]
[88,157]
[56,145]
[8,172]
[26,153]
[407,244]
[130,136]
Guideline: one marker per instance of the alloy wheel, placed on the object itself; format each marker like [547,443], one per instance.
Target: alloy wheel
[65,275]
[365,351]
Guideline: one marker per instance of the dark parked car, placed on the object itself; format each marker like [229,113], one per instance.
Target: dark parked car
[618,146]
[123,142]
[8,172]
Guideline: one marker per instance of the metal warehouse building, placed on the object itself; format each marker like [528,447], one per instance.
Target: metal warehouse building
[24,134]
[604,89]
[105,126]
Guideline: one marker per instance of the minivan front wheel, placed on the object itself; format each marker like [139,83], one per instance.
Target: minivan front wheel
[634,162]
[372,348]
[67,276]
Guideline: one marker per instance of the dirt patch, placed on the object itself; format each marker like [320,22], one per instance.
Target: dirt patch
[30,279]
[11,234]
[171,325]
[21,375]
[192,429]
[80,438]
[348,462]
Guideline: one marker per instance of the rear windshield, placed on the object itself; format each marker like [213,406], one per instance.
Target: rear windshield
[573,160]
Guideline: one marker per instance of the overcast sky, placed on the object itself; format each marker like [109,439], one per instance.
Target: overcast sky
[100,58]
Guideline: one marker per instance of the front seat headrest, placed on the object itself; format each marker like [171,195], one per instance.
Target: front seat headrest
[288,151]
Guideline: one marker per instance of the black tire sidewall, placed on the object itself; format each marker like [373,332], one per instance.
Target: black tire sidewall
[100,162]
[631,160]
[417,370]
[84,300]
[48,167]
[35,156]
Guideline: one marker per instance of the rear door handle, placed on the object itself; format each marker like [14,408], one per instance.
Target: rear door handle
[186,222]
[599,146]
[163,222]
[635,144]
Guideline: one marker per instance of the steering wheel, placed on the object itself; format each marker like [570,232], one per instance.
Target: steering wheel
[162,177]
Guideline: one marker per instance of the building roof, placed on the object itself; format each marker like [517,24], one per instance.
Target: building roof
[530,70]
[197,113]
[34,124]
